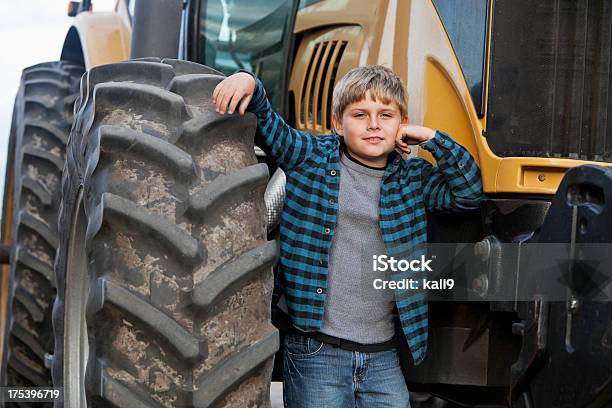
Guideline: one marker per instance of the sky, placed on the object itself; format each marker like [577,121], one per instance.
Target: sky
[31,32]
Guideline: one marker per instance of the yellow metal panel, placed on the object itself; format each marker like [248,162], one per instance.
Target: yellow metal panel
[328,87]
[369,15]
[303,82]
[316,60]
[408,36]
[317,81]
[7,216]
[121,8]
[445,109]
[539,175]
[358,23]
[438,96]
[105,37]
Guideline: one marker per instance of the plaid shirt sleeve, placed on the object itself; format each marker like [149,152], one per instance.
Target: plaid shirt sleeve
[287,146]
[455,183]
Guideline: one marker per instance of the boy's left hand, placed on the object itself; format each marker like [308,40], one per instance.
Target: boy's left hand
[409,134]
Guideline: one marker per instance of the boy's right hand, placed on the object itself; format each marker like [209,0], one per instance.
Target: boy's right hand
[233,90]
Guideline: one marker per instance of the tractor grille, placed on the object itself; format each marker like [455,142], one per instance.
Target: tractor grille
[550,85]
[316,92]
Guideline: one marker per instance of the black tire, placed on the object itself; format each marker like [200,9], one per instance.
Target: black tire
[42,117]
[163,243]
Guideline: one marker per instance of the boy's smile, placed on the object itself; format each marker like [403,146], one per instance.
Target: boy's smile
[369,128]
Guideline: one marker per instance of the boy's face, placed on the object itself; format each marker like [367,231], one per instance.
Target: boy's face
[369,128]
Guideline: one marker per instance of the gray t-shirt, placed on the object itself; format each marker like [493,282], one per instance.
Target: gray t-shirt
[354,310]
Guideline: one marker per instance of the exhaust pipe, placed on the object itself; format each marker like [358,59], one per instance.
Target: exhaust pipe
[156,28]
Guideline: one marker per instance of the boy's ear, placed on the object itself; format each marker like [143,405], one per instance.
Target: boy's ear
[336,125]
[405,120]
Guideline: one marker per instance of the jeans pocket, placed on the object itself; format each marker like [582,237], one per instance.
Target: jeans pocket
[297,346]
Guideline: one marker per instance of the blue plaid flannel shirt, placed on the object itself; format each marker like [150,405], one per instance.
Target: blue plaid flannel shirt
[409,189]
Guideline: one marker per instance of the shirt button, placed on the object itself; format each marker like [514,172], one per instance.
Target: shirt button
[332,201]
[321,262]
[333,172]
[327,230]
[319,291]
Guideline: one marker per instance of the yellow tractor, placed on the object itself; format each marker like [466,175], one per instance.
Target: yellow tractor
[140,225]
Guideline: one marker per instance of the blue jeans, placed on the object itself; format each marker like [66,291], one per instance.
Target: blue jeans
[319,375]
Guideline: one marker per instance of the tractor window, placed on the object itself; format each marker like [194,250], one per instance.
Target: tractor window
[465,23]
[248,34]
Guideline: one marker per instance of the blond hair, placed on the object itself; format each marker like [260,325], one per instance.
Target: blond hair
[377,81]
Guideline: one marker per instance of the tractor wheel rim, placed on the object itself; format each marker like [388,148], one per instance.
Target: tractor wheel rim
[76,346]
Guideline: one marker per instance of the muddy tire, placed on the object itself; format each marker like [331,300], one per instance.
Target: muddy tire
[164,271]
[42,117]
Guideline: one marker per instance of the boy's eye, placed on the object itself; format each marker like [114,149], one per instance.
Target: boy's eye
[387,115]
[359,115]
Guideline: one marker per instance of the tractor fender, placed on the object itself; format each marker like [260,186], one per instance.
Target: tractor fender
[97,38]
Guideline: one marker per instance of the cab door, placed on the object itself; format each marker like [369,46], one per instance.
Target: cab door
[256,35]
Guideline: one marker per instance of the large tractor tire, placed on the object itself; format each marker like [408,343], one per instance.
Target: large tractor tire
[42,117]
[164,271]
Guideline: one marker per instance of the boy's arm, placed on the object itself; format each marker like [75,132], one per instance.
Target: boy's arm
[242,91]
[287,146]
[455,183]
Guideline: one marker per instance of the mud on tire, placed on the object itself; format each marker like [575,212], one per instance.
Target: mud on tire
[42,117]
[162,246]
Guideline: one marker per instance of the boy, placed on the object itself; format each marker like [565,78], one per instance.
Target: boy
[349,197]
